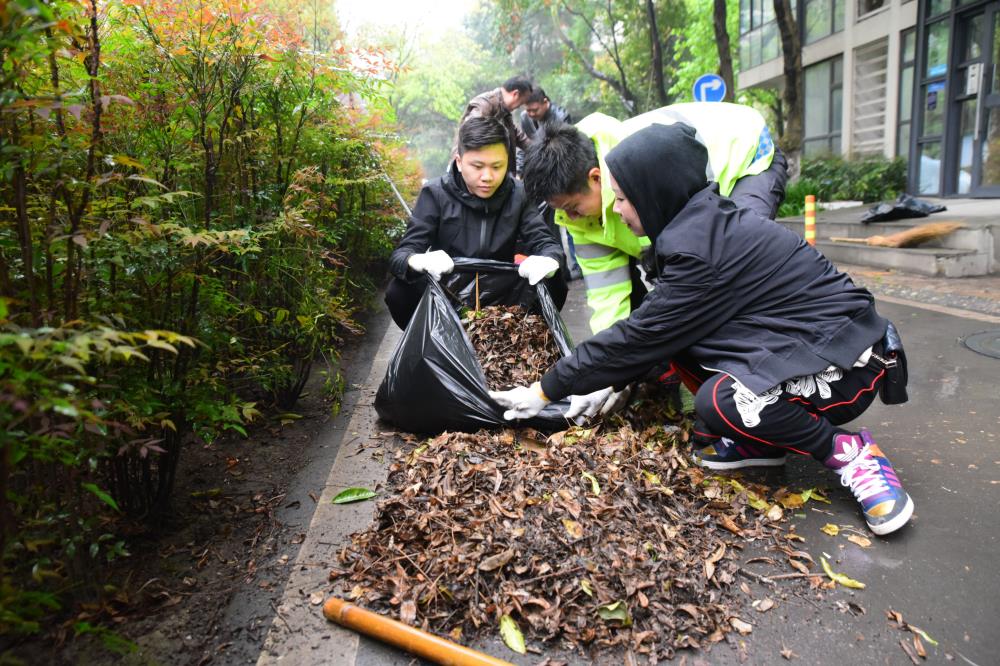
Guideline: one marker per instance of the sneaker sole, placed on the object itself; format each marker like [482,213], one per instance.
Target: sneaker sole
[745,462]
[890,526]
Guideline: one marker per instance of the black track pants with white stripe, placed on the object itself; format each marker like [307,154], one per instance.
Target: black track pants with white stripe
[801,415]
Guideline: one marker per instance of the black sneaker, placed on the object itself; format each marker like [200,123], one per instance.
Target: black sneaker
[727,454]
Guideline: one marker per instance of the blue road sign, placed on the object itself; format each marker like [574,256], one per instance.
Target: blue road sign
[709,88]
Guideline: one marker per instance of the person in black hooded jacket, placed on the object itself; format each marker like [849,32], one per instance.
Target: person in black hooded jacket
[786,347]
[477,210]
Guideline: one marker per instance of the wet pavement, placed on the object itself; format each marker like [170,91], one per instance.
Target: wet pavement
[939,572]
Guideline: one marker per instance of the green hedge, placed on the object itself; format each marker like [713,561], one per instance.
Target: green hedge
[832,178]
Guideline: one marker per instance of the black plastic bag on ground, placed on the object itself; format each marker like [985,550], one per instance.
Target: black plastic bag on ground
[902,208]
[434,381]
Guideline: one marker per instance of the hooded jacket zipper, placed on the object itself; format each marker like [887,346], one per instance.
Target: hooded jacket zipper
[482,228]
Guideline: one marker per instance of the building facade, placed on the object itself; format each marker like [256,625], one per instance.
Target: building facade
[915,78]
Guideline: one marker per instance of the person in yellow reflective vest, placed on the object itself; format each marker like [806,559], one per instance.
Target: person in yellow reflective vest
[566,169]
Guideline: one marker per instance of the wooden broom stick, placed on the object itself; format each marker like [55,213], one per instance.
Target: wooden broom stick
[919,234]
[413,640]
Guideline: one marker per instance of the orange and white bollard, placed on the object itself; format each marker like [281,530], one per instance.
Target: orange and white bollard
[810,234]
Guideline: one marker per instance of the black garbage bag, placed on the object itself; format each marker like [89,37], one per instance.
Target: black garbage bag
[434,381]
[902,208]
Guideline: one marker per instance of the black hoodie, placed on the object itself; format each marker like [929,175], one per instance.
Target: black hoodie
[735,292]
[448,217]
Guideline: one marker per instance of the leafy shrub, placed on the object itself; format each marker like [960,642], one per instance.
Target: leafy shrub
[194,202]
[832,178]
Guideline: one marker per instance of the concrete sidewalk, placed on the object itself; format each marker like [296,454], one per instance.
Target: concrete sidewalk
[940,572]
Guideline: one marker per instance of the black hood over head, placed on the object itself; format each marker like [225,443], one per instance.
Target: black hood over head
[659,169]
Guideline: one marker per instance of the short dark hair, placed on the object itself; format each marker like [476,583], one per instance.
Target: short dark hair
[480,131]
[558,164]
[518,83]
[537,96]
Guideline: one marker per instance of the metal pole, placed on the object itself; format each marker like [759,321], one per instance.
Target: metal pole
[402,202]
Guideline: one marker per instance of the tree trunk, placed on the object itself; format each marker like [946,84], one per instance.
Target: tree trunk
[790,140]
[657,53]
[725,51]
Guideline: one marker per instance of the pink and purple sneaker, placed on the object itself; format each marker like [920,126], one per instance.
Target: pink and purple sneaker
[868,473]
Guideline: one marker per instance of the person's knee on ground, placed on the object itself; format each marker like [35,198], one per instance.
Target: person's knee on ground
[402,298]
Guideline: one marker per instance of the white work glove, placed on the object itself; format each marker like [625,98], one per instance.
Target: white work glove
[435,263]
[605,401]
[537,267]
[522,402]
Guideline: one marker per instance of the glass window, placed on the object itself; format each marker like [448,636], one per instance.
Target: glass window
[967,131]
[906,93]
[935,7]
[906,72]
[991,149]
[759,36]
[819,19]
[995,87]
[973,28]
[838,15]
[903,141]
[934,100]
[836,108]
[768,13]
[930,168]
[817,107]
[868,6]
[770,44]
[909,46]
[823,107]
[937,49]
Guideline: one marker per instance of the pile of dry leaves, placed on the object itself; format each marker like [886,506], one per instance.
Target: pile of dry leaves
[514,347]
[597,540]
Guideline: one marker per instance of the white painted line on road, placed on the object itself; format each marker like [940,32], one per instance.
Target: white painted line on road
[943,309]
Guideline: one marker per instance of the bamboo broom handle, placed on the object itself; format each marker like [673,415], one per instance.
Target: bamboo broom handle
[411,639]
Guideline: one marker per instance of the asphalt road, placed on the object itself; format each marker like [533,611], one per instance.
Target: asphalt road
[939,572]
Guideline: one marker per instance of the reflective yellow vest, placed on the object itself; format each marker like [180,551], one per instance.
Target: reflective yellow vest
[738,145]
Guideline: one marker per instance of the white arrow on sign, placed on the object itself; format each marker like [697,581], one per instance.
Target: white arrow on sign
[704,88]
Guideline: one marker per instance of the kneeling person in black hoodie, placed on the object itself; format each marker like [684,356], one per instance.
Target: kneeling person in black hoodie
[478,210]
[786,348]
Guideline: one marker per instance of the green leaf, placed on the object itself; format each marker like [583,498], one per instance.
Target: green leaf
[101,495]
[923,634]
[512,635]
[616,611]
[595,487]
[353,495]
[585,586]
[839,577]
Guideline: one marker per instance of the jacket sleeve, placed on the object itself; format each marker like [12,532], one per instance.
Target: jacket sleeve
[687,304]
[521,139]
[608,281]
[419,236]
[535,234]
